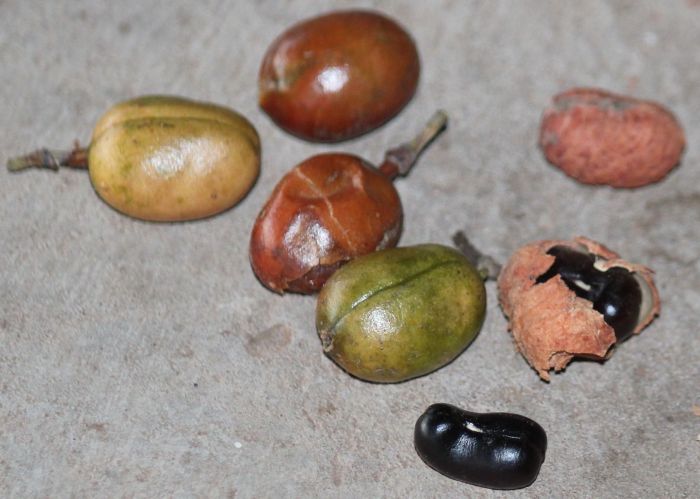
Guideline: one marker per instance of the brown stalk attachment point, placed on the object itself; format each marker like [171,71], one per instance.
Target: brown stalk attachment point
[51,159]
[398,161]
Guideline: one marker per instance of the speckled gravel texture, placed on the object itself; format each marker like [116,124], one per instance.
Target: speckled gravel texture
[145,360]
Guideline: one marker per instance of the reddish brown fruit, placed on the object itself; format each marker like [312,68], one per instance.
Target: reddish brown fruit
[339,75]
[598,137]
[324,210]
[551,312]
[327,210]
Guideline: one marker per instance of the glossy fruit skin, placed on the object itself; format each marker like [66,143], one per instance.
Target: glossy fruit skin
[496,450]
[168,159]
[327,210]
[339,75]
[400,313]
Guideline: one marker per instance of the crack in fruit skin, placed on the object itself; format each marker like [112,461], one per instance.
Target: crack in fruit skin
[376,292]
[318,192]
[327,210]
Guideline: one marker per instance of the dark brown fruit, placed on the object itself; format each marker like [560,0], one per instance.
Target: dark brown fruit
[339,75]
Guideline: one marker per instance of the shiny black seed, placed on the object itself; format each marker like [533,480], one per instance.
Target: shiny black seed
[614,293]
[497,450]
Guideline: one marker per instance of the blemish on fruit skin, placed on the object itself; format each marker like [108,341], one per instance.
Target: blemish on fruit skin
[125,168]
[287,76]
[124,192]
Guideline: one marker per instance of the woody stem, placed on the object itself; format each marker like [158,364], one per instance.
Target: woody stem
[52,159]
[398,161]
[485,264]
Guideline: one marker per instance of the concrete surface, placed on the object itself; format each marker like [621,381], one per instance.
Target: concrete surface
[145,360]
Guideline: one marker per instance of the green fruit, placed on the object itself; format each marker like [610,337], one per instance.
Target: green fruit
[400,313]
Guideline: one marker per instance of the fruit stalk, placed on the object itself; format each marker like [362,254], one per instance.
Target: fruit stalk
[398,161]
[51,159]
[487,266]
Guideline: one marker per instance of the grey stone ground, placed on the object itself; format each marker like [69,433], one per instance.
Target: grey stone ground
[144,360]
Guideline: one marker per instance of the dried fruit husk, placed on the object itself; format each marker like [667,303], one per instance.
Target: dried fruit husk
[598,137]
[550,324]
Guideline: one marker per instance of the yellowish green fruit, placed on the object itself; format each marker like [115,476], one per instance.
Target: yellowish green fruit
[400,313]
[171,159]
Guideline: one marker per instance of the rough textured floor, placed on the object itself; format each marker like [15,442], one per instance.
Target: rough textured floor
[144,360]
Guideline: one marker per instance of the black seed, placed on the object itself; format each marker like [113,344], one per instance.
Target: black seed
[614,293]
[498,450]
